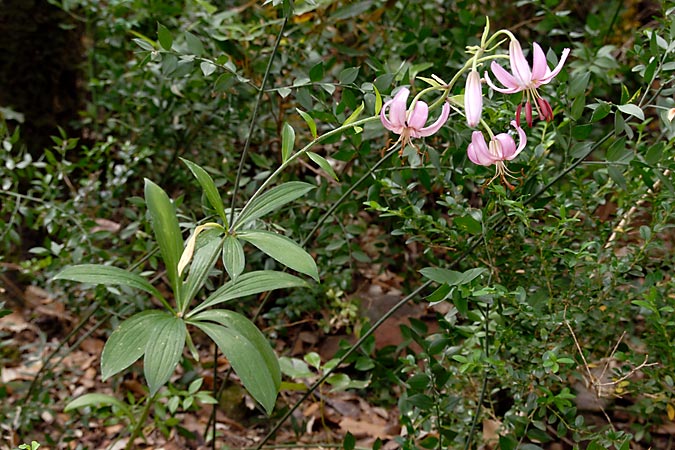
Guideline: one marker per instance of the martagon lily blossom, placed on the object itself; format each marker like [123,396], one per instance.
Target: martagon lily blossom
[409,124]
[525,79]
[501,147]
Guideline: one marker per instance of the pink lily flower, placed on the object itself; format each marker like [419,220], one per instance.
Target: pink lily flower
[501,147]
[409,124]
[525,79]
[473,99]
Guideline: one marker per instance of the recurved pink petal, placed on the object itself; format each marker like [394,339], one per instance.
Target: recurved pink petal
[399,107]
[552,74]
[519,65]
[473,99]
[434,127]
[504,78]
[539,64]
[503,146]
[419,115]
[522,141]
[478,152]
[385,120]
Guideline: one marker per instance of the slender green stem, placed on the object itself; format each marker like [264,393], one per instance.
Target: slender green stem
[139,425]
[328,213]
[347,193]
[216,394]
[469,250]
[571,167]
[483,390]
[296,155]
[342,359]
[254,118]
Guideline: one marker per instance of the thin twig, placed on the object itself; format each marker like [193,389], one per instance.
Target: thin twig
[254,118]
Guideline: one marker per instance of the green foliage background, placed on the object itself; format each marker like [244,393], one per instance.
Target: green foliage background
[578,254]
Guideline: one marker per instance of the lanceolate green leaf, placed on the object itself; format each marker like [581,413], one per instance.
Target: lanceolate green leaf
[283,250]
[248,284]
[355,115]
[164,37]
[248,331]
[273,199]
[202,262]
[321,162]
[100,274]
[287,141]
[247,362]
[209,187]
[166,229]
[96,399]
[163,352]
[310,122]
[451,277]
[234,259]
[127,343]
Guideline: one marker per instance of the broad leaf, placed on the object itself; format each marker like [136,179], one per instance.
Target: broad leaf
[209,187]
[450,276]
[246,329]
[247,362]
[273,199]
[166,229]
[234,259]
[96,399]
[127,343]
[109,275]
[202,262]
[163,351]
[283,250]
[287,141]
[248,284]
